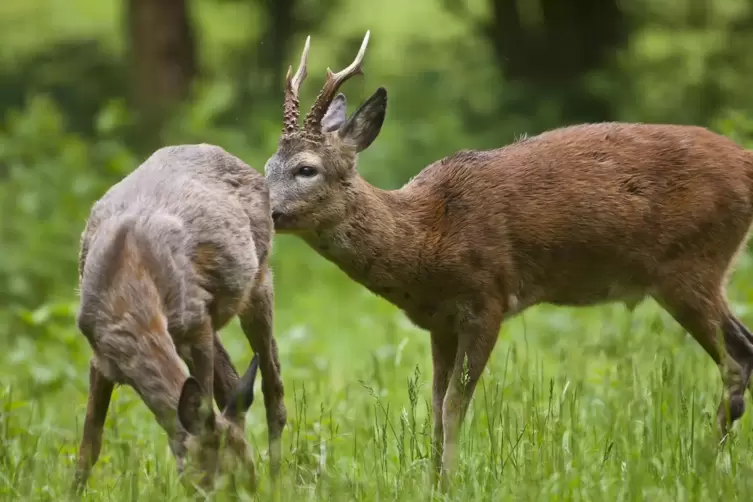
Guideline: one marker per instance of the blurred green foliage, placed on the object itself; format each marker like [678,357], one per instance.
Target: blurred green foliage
[68,132]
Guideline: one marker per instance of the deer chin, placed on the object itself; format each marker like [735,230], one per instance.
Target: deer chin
[285,222]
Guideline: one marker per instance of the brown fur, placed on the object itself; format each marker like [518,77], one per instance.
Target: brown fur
[576,216]
[169,255]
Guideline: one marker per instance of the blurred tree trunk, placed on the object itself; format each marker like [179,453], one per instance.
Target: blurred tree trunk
[549,42]
[281,26]
[260,67]
[162,57]
[549,46]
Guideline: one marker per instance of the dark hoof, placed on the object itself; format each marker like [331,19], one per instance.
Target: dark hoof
[729,412]
[736,407]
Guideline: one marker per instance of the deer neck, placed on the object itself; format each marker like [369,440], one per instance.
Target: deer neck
[376,243]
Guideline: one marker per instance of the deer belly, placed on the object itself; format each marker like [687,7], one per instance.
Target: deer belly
[591,294]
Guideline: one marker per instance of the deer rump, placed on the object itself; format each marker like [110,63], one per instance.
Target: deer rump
[197,206]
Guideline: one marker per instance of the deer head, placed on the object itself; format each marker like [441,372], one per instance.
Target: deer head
[215,444]
[310,173]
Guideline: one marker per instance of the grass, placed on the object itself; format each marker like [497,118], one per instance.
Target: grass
[576,404]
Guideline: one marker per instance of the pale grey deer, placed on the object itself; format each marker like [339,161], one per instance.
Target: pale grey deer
[168,256]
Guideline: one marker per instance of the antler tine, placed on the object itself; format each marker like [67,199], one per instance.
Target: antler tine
[291,106]
[313,120]
[302,72]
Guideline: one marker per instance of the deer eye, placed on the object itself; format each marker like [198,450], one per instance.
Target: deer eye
[306,171]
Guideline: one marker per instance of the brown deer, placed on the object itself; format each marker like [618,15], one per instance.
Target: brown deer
[609,212]
[168,256]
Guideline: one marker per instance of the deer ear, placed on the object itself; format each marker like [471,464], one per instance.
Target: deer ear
[364,126]
[243,396]
[335,116]
[195,413]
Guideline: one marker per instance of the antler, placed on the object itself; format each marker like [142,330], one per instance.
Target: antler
[313,121]
[291,106]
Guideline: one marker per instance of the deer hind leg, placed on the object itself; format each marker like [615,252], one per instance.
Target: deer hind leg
[739,342]
[704,313]
[203,357]
[476,340]
[257,323]
[444,347]
[100,392]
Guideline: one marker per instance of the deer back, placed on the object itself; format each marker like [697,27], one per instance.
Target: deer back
[585,213]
